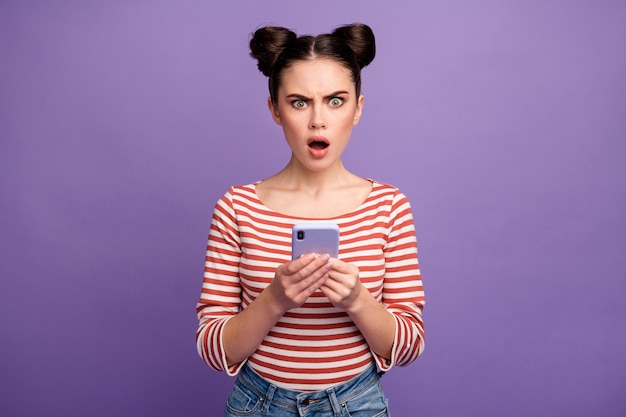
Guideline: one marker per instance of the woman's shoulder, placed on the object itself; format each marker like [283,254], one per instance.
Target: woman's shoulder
[384,189]
[239,193]
[241,189]
[388,197]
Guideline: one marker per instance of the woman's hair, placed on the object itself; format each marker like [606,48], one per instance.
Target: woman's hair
[278,48]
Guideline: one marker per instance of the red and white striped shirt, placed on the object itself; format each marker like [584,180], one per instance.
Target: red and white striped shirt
[315,345]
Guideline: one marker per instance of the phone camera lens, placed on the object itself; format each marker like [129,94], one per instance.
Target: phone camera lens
[300,235]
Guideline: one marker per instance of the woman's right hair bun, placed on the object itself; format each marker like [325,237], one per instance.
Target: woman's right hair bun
[360,38]
[266,45]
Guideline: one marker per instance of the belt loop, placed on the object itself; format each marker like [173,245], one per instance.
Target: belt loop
[268,398]
[333,401]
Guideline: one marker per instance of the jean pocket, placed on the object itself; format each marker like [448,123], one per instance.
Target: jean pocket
[370,403]
[242,402]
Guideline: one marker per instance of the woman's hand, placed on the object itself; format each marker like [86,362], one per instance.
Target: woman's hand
[345,291]
[297,280]
[292,285]
[343,287]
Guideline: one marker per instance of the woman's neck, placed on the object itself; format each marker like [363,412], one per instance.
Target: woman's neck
[296,177]
[313,194]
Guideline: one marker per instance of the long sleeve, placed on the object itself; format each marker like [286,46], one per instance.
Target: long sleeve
[403,292]
[221,292]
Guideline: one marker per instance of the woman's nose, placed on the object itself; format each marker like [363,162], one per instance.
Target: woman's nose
[317,119]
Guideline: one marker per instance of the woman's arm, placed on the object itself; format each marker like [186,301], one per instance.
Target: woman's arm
[392,325]
[345,291]
[294,282]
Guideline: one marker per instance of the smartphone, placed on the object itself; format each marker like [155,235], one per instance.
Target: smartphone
[321,238]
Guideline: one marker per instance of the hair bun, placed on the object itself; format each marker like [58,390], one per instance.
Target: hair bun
[266,45]
[360,38]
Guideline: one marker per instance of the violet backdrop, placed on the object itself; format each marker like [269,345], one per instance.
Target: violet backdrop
[123,122]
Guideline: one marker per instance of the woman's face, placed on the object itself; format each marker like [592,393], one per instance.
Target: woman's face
[317,107]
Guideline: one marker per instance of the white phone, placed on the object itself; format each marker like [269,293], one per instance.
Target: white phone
[320,238]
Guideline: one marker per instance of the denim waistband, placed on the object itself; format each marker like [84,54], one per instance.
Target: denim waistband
[305,402]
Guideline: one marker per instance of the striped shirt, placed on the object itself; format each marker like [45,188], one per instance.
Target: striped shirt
[315,345]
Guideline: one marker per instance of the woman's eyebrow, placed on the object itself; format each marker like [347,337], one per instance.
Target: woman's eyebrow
[303,97]
[337,93]
[298,96]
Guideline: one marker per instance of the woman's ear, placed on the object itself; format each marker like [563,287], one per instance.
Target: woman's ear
[359,110]
[274,111]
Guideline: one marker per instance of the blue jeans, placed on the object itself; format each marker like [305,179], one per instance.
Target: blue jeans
[253,396]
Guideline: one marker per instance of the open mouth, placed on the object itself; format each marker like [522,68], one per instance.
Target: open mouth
[318,143]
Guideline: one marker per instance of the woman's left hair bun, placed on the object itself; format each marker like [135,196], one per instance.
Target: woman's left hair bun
[267,44]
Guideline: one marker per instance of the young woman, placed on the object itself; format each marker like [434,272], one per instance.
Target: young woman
[311,336]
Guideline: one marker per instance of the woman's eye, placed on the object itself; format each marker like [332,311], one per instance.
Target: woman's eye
[335,102]
[298,104]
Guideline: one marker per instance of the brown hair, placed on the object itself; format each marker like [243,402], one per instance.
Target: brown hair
[277,48]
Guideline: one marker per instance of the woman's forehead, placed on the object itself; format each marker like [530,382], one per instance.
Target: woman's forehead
[317,72]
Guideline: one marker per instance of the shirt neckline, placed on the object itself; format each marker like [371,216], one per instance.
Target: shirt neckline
[289,216]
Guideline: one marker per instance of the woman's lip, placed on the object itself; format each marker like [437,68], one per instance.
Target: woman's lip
[318,152]
[313,139]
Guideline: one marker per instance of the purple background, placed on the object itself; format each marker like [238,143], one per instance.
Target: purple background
[122,122]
